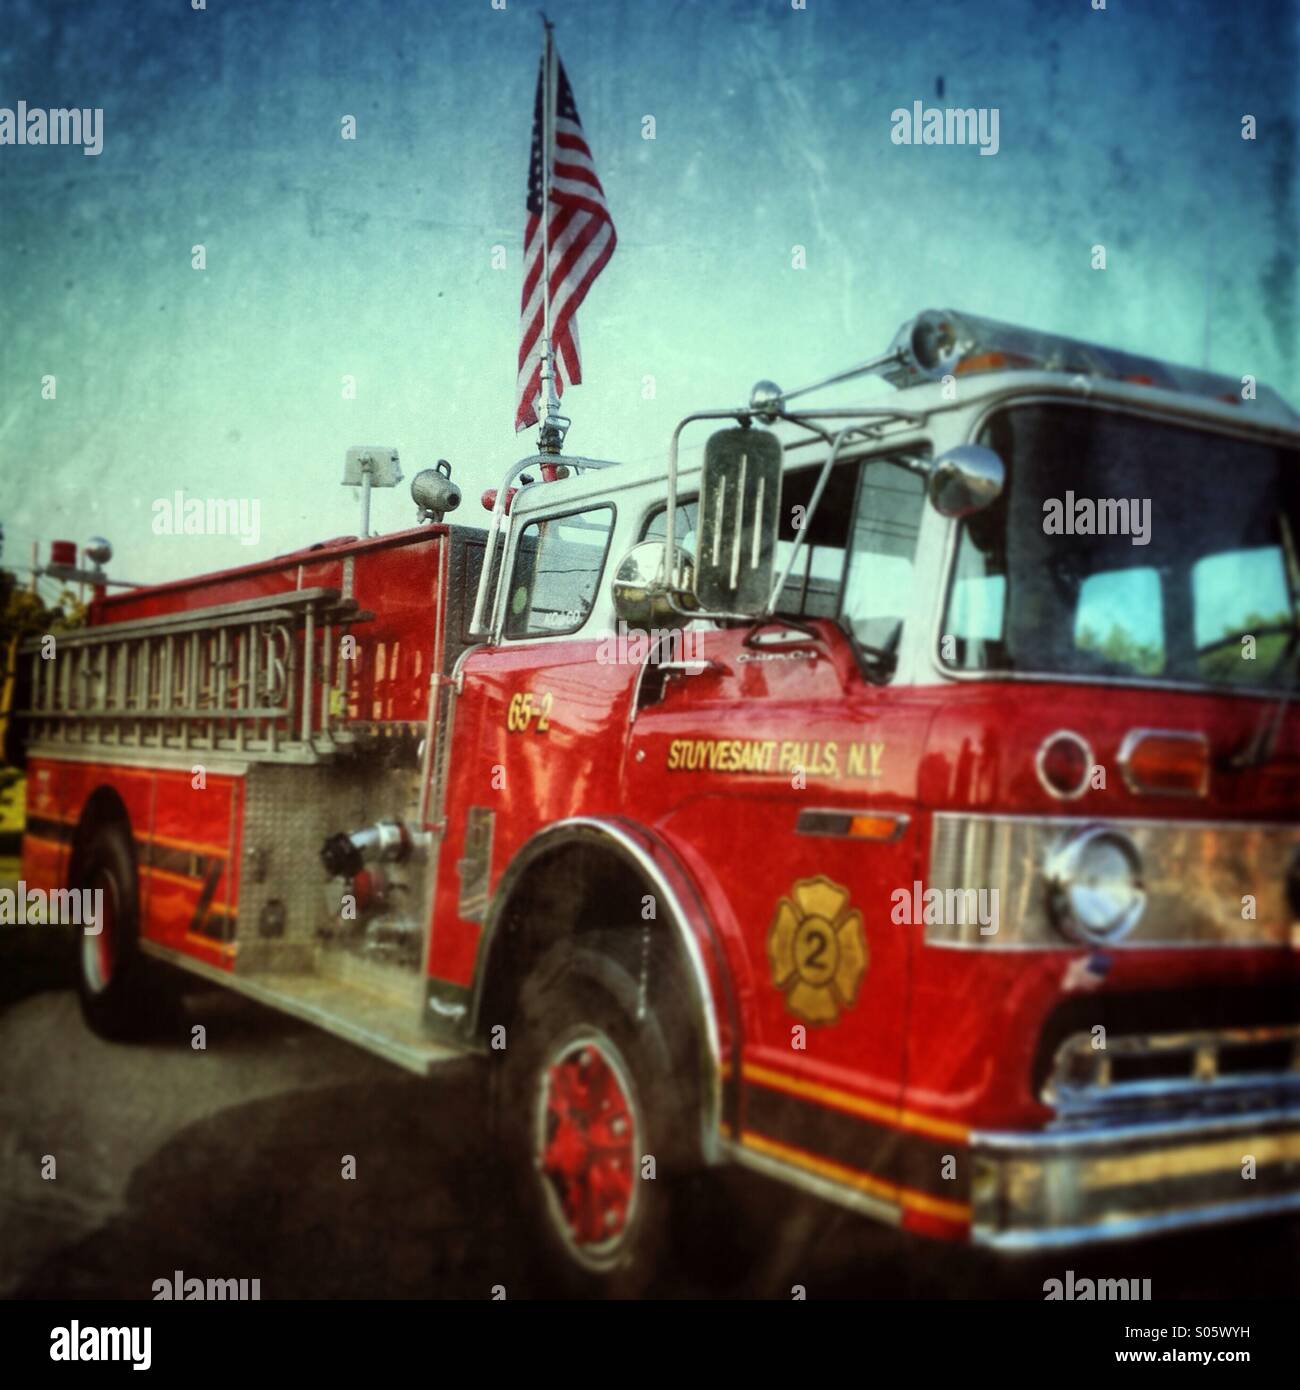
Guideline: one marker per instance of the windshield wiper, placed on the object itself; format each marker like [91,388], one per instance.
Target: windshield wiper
[1262,744]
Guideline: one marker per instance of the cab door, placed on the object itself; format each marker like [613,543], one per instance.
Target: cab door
[783,760]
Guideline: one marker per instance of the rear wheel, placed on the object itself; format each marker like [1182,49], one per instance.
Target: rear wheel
[595,1109]
[120,991]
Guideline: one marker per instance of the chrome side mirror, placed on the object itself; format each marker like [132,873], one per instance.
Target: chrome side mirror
[740,497]
[965,480]
[642,588]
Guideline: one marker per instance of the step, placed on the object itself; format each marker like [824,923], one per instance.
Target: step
[385,1024]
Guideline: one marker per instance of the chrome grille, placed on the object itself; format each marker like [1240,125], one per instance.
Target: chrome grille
[1150,1075]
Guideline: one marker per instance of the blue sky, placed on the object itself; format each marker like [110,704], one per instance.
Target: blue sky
[373,258]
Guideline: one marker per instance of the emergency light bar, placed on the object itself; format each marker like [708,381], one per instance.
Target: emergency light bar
[942,342]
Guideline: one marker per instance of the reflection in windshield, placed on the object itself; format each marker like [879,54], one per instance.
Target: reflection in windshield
[1202,590]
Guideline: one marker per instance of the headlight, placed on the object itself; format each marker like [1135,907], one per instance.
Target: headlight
[1094,885]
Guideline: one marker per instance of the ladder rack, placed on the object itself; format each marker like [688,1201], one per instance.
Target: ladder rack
[255,679]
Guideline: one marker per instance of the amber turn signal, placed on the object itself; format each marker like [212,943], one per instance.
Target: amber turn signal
[1165,763]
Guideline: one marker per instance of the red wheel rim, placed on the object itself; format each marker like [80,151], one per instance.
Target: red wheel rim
[588,1144]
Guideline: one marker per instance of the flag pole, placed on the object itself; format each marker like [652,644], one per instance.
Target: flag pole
[550,438]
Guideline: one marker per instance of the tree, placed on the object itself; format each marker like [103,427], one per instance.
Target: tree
[24,617]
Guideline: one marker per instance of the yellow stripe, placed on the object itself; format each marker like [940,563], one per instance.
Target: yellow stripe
[855,1105]
[226,948]
[183,881]
[861,1182]
[217,851]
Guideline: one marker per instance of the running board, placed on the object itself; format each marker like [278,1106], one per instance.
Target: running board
[380,1023]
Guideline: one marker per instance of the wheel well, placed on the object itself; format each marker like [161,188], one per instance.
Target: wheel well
[104,807]
[573,890]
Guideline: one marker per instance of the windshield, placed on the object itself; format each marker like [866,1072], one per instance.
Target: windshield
[1128,548]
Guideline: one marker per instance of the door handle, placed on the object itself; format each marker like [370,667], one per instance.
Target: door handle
[695,667]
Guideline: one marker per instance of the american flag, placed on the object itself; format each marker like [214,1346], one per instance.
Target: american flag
[582,241]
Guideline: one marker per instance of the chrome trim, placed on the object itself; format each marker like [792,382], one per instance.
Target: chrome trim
[1102,1136]
[1136,736]
[168,759]
[805,823]
[693,666]
[577,828]
[1042,776]
[1042,1190]
[1059,1237]
[1183,409]
[1205,1083]
[474,868]
[1192,871]
[891,1213]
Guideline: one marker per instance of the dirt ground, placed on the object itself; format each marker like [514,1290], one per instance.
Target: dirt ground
[226,1163]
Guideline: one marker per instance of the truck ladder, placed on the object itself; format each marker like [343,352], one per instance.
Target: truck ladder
[254,679]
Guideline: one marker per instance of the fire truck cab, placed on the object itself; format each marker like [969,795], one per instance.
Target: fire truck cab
[900,800]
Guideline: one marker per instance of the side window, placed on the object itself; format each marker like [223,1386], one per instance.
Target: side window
[558,564]
[978,609]
[878,588]
[813,587]
[684,523]
[856,560]
[975,623]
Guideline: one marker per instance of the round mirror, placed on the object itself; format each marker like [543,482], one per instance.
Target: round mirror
[641,588]
[965,480]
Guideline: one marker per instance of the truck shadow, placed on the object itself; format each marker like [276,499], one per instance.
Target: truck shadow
[32,960]
[261,1190]
[258,1191]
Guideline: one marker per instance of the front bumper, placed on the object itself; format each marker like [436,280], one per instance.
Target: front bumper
[1075,1186]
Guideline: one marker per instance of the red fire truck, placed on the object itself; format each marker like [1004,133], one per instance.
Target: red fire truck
[900,799]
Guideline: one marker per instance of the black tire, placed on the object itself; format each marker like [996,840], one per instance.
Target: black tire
[580,1013]
[120,990]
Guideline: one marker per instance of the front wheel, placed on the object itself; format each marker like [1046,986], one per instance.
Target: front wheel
[594,1109]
